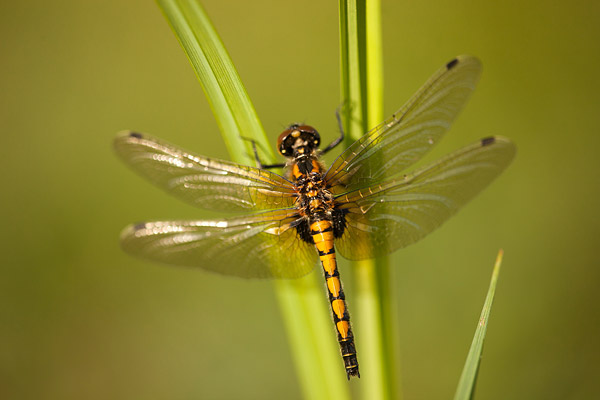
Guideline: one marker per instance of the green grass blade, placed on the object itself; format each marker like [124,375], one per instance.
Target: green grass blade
[353,72]
[221,83]
[312,338]
[374,63]
[468,378]
[302,301]
[362,89]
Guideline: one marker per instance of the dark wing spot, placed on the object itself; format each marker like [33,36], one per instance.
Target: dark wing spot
[139,226]
[487,141]
[452,63]
[135,135]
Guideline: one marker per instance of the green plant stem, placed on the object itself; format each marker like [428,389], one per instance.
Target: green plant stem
[377,325]
[302,302]
[362,87]
[312,338]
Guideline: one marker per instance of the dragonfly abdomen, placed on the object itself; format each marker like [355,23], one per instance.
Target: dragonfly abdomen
[322,235]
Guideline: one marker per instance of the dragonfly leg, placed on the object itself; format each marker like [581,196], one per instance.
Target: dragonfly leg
[339,140]
[257,158]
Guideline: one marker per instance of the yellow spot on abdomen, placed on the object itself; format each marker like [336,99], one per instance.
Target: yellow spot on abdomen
[338,308]
[320,225]
[343,327]
[323,237]
[334,286]
[329,263]
[322,245]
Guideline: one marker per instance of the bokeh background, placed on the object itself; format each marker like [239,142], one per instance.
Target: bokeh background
[81,319]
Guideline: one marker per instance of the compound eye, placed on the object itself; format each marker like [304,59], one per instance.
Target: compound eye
[310,134]
[284,142]
[306,129]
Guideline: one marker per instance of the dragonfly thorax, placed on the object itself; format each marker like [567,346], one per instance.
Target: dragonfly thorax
[313,196]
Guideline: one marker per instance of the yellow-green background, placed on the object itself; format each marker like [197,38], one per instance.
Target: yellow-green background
[79,319]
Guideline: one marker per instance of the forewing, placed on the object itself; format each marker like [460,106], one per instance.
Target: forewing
[262,245]
[203,182]
[412,131]
[399,212]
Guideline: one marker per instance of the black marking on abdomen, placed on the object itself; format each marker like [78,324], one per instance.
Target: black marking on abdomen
[135,135]
[329,229]
[324,253]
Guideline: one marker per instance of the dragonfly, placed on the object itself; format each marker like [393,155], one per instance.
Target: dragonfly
[363,206]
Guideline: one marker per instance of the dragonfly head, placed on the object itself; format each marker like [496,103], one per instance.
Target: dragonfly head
[298,139]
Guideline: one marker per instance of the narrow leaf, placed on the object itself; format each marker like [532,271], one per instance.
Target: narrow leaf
[226,94]
[468,378]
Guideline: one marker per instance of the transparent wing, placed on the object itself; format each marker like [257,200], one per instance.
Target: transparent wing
[264,245]
[399,212]
[203,182]
[411,132]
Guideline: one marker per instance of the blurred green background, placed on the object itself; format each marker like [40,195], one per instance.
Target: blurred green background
[81,319]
